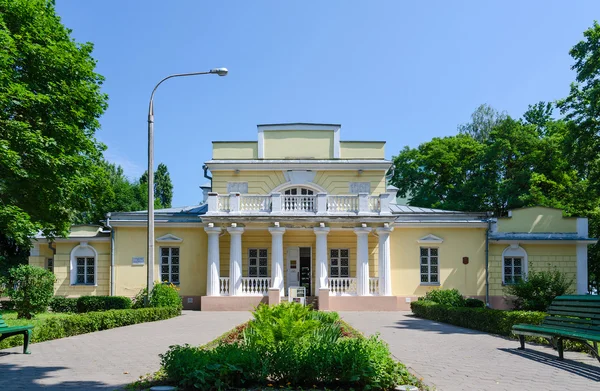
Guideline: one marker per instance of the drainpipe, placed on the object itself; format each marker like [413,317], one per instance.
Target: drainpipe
[205,168]
[112,255]
[487,263]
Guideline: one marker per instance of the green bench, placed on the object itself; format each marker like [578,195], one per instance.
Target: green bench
[6,331]
[571,317]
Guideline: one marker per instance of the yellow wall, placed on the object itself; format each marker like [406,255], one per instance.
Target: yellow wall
[458,243]
[362,150]
[337,182]
[223,150]
[540,257]
[298,144]
[537,219]
[259,182]
[131,242]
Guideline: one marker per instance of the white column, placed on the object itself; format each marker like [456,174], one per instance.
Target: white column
[321,257]
[235,260]
[582,257]
[362,260]
[213,268]
[277,258]
[385,269]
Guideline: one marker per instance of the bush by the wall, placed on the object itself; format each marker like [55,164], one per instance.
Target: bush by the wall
[474,303]
[31,288]
[63,304]
[102,303]
[451,297]
[54,328]
[165,295]
[539,289]
[7,305]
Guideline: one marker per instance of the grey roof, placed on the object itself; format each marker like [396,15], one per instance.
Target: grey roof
[561,236]
[206,185]
[415,209]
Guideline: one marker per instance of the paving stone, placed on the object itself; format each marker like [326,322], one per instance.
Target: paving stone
[453,358]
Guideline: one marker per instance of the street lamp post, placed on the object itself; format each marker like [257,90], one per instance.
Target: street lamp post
[150,254]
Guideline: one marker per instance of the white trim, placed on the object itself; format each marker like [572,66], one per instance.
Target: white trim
[582,257]
[276,127]
[439,224]
[165,224]
[261,165]
[73,262]
[169,238]
[311,186]
[430,239]
[582,227]
[514,250]
[261,144]
[75,239]
[542,241]
[336,143]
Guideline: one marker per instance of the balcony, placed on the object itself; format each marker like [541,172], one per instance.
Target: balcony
[280,204]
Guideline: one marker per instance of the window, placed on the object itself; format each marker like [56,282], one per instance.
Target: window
[430,265]
[339,262]
[257,262]
[85,270]
[50,265]
[169,264]
[513,269]
[298,191]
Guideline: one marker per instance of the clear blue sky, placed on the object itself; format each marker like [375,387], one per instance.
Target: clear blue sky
[399,71]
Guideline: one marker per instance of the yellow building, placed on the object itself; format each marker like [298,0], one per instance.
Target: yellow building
[301,208]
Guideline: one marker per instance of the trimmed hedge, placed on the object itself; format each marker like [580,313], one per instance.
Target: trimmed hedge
[54,328]
[102,303]
[63,304]
[482,319]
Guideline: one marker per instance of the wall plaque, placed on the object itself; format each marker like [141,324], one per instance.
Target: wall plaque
[137,261]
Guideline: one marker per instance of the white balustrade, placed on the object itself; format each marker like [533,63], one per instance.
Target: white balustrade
[223,203]
[374,286]
[255,286]
[255,203]
[374,204]
[342,203]
[299,203]
[224,286]
[344,286]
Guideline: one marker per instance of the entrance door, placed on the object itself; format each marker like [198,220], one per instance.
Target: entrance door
[305,272]
[293,267]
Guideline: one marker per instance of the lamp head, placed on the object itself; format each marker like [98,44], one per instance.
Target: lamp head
[219,71]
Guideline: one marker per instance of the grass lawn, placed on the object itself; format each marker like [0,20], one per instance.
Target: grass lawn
[10,317]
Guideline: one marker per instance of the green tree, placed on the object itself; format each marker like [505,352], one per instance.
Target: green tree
[50,102]
[163,187]
[31,288]
[483,120]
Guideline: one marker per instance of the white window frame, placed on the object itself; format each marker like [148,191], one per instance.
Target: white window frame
[254,261]
[429,265]
[299,190]
[338,260]
[511,252]
[169,264]
[83,250]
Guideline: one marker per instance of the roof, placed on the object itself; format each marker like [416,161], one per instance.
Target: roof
[526,236]
[298,124]
[416,209]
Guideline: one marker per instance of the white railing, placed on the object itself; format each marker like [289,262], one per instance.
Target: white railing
[299,203]
[374,204]
[224,286]
[223,203]
[342,203]
[374,286]
[344,286]
[255,286]
[255,203]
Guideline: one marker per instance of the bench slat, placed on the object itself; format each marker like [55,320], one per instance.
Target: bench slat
[575,313]
[582,304]
[590,336]
[577,298]
[579,307]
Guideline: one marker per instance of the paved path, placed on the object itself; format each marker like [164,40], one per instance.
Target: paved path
[107,360]
[452,358]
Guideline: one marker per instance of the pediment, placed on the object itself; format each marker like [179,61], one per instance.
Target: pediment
[430,239]
[169,238]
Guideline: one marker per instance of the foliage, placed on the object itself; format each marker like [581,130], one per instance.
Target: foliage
[165,295]
[7,305]
[287,358]
[450,297]
[483,120]
[139,301]
[63,304]
[163,187]
[474,303]
[54,327]
[102,303]
[31,289]
[50,102]
[11,254]
[536,292]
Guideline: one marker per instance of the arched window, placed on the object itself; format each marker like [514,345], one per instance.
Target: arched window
[84,262]
[514,264]
[298,191]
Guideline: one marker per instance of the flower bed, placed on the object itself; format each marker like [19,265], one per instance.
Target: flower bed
[287,346]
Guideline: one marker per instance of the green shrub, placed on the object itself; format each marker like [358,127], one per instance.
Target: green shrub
[474,303]
[102,303]
[451,297]
[139,301]
[539,289]
[165,295]
[7,305]
[54,328]
[63,304]
[31,289]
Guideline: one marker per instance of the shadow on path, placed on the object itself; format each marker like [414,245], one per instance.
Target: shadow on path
[15,377]
[588,371]
[414,323]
